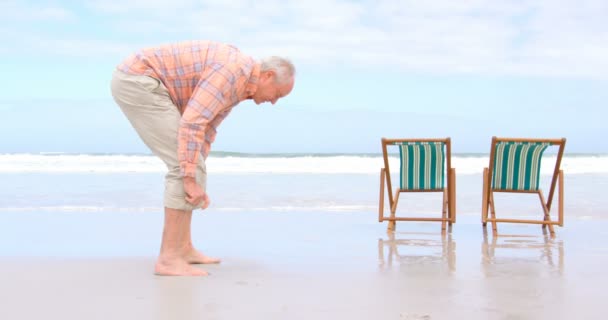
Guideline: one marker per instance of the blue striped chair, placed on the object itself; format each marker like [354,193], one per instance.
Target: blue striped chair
[425,165]
[515,167]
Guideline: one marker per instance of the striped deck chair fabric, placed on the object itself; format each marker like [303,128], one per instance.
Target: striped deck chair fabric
[517,165]
[422,165]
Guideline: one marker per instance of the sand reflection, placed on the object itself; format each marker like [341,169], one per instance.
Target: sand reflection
[429,251]
[522,254]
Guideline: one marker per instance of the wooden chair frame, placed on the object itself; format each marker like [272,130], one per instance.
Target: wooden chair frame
[449,190]
[487,204]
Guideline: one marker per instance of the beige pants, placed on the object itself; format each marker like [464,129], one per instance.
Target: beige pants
[146,103]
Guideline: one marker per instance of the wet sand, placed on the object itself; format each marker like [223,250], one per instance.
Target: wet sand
[300,266]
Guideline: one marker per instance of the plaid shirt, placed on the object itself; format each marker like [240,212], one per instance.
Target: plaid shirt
[205,81]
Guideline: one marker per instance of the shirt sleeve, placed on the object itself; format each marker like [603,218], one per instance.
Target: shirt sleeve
[211,131]
[210,98]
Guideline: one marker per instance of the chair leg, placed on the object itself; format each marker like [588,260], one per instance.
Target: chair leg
[484,199]
[381,202]
[392,224]
[493,213]
[547,216]
[395,201]
[444,209]
[452,197]
[560,199]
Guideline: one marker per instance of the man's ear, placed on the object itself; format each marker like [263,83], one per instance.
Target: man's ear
[267,75]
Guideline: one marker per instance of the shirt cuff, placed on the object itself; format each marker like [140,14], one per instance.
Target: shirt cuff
[188,169]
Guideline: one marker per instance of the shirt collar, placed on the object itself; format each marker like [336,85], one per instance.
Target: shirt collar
[252,84]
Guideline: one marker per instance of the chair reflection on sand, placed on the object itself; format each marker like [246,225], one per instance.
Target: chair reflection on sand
[522,250]
[417,249]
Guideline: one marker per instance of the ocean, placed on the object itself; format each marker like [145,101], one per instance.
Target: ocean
[57,182]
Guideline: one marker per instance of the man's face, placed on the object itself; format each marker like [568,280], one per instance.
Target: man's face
[269,90]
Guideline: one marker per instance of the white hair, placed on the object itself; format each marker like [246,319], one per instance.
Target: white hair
[283,68]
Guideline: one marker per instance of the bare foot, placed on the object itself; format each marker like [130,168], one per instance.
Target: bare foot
[176,267]
[196,257]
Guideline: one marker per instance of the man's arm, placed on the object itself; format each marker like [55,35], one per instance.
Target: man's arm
[205,105]
[211,131]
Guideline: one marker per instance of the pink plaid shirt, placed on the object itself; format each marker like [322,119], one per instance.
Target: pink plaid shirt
[205,80]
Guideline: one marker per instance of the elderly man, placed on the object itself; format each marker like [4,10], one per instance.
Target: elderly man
[175,96]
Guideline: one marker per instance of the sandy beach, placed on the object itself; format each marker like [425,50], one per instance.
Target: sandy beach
[107,105]
[313,265]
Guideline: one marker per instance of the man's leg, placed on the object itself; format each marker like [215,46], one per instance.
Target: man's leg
[146,103]
[174,246]
[192,255]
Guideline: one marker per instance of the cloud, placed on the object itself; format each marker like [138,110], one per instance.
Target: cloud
[502,37]
[12,10]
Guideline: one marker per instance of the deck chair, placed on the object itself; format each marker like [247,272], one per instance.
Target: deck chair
[424,166]
[515,167]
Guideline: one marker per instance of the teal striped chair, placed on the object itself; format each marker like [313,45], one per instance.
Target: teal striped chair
[425,166]
[515,167]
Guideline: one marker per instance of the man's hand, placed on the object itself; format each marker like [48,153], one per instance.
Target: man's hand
[194,194]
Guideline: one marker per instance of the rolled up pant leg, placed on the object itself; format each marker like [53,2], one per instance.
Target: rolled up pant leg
[146,103]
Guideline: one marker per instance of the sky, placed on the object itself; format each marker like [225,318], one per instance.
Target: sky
[467,69]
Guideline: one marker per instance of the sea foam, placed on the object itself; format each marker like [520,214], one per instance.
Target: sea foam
[298,164]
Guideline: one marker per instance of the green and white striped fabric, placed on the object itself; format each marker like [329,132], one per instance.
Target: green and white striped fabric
[517,165]
[422,166]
